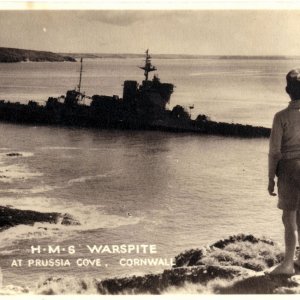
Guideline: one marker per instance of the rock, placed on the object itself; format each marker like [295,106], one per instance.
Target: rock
[241,238]
[10,217]
[14,154]
[67,219]
[230,266]
[57,286]
[206,279]
[157,283]
[239,250]
[189,258]
[263,284]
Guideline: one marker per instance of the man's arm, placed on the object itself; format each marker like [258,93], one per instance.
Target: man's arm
[274,151]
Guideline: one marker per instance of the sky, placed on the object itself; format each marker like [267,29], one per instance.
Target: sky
[199,32]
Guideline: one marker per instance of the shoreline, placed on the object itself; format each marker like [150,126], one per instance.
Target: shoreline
[234,265]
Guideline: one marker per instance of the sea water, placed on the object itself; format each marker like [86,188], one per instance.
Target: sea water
[174,191]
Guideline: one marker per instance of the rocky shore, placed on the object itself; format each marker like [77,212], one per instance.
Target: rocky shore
[231,266]
[212,128]
[10,217]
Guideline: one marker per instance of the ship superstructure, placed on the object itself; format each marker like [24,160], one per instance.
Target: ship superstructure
[143,106]
[148,67]
[152,95]
[141,103]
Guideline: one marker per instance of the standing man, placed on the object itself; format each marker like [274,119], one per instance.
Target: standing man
[284,162]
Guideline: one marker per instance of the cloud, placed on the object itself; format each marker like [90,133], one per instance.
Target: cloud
[129,17]
[118,18]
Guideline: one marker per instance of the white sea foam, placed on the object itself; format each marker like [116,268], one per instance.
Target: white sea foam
[94,217]
[60,148]
[26,154]
[34,190]
[13,290]
[91,217]
[37,231]
[9,251]
[188,288]
[60,232]
[44,188]
[73,148]
[92,177]
[86,178]
[16,172]
[42,204]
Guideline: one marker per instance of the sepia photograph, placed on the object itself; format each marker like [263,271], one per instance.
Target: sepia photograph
[149,152]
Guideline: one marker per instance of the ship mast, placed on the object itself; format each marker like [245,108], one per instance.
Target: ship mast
[80,76]
[148,66]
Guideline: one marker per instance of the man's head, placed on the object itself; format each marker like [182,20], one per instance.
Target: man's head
[293,84]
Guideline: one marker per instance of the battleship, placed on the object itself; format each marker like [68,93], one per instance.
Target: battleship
[141,107]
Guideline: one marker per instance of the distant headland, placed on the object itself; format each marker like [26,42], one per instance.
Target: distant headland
[10,55]
[13,55]
[78,55]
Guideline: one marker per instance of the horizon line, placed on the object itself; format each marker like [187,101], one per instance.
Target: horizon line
[76,53]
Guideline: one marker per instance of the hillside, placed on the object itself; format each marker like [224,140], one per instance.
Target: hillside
[10,55]
[175,56]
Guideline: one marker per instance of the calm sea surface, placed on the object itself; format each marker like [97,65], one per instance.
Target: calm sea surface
[177,191]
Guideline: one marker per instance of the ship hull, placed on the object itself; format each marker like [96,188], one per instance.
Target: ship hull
[84,116]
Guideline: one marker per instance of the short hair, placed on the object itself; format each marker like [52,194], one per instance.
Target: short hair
[293,83]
